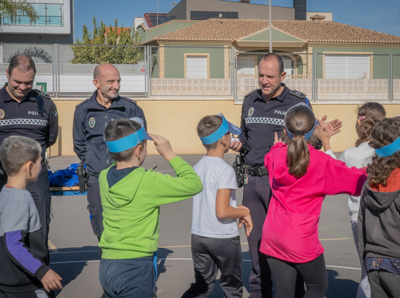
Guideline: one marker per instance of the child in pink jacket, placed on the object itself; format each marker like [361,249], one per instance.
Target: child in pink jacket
[300,178]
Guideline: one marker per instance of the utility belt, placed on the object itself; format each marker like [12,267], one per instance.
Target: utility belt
[255,171]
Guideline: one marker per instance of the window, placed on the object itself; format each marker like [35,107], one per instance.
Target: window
[288,65]
[205,15]
[347,67]
[196,66]
[246,65]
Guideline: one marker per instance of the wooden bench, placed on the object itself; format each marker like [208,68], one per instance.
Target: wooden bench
[59,191]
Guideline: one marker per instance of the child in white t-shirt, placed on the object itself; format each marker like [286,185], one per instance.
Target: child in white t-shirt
[215,234]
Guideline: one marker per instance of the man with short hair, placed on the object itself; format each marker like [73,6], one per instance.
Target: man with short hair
[263,114]
[90,119]
[29,113]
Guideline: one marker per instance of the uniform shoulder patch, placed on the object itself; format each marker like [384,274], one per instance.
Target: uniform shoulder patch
[41,93]
[129,99]
[251,92]
[297,93]
[82,102]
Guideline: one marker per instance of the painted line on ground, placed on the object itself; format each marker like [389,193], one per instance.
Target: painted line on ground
[52,246]
[185,259]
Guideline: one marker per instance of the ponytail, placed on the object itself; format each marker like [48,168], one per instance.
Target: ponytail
[300,123]
[298,156]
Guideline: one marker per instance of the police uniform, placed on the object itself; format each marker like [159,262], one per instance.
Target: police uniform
[259,122]
[35,117]
[90,120]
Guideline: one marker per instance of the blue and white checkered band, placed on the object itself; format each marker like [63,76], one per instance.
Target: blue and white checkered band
[225,127]
[22,121]
[128,142]
[389,150]
[265,120]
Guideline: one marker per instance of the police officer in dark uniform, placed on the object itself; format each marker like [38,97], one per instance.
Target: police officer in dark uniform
[29,113]
[90,119]
[263,114]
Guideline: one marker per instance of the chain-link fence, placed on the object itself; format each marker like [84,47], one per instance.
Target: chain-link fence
[214,72]
[395,69]
[353,77]
[298,68]
[191,71]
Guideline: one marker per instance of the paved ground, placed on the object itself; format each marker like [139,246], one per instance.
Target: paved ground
[75,255]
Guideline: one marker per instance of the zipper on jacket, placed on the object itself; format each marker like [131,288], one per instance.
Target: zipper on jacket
[105,125]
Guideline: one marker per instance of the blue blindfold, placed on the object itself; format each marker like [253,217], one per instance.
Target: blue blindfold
[225,127]
[389,150]
[130,141]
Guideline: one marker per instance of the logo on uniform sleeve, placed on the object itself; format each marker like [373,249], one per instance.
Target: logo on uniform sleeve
[2,114]
[92,122]
[251,112]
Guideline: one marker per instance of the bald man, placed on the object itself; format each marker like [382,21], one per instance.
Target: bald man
[90,119]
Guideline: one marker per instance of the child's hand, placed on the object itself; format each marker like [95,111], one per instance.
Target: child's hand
[163,147]
[246,220]
[277,140]
[323,136]
[332,127]
[248,224]
[51,281]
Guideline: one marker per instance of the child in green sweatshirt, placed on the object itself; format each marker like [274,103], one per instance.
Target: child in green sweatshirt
[131,199]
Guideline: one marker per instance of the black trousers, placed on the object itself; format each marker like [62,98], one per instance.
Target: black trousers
[41,196]
[256,196]
[211,254]
[384,284]
[285,275]
[94,205]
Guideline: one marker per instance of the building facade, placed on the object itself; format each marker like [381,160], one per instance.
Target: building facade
[54,24]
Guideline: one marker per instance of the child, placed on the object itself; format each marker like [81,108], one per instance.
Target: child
[300,178]
[23,252]
[379,215]
[215,235]
[131,199]
[368,116]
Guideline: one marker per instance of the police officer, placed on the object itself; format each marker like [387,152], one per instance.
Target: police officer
[90,119]
[29,113]
[263,113]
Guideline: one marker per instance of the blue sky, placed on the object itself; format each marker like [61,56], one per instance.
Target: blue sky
[382,16]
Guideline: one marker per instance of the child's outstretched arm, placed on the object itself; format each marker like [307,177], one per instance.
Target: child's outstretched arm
[164,189]
[225,211]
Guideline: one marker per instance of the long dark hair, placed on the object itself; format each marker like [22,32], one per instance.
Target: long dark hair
[385,133]
[299,120]
[369,115]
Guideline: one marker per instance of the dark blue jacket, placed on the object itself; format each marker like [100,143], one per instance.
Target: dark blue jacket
[35,117]
[90,120]
[260,120]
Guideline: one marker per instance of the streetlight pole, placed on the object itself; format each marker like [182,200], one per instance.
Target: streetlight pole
[157,12]
[270,26]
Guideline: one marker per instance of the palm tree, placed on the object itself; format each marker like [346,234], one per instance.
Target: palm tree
[10,8]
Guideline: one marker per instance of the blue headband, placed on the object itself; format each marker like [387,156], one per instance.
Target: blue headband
[128,142]
[306,135]
[389,150]
[221,131]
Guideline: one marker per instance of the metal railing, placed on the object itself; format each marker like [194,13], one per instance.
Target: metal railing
[210,72]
